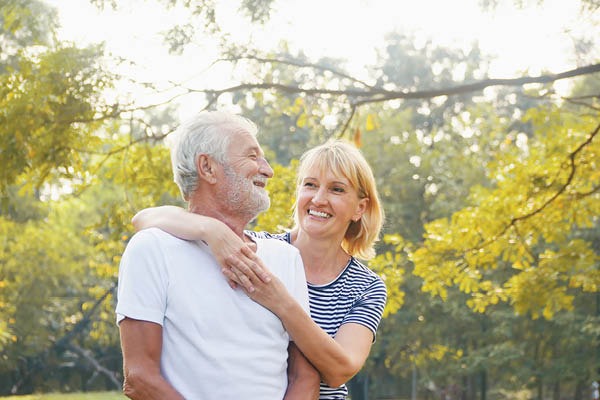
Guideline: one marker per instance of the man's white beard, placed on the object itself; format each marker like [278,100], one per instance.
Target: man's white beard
[242,196]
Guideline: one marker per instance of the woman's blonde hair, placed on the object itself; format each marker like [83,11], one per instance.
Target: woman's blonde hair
[343,159]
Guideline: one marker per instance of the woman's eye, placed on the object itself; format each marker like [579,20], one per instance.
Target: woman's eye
[309,184]
[338,189]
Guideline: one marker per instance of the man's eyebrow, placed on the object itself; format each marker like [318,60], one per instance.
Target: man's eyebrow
[253,149]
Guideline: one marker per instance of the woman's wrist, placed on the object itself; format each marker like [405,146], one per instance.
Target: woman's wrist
[206,227]
[285,306]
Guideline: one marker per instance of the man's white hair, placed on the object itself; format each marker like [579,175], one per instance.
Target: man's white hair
[205,133]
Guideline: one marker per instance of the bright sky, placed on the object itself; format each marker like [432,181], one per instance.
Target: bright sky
[533,39]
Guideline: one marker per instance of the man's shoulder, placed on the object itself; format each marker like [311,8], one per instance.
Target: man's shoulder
[276,245]
[154,238]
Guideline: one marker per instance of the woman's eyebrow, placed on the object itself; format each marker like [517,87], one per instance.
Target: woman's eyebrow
[340,183]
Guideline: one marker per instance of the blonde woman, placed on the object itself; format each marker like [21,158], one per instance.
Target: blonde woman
[338,217]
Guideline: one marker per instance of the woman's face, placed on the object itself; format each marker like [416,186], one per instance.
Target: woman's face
[326,204]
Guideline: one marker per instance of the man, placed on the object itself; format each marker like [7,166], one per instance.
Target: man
[184,332]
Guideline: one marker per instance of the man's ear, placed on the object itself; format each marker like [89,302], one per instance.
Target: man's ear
[207,168]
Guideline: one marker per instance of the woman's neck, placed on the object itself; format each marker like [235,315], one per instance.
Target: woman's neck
[323,259]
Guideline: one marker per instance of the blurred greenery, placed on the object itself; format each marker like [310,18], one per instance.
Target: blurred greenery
[491,248]
[71,396]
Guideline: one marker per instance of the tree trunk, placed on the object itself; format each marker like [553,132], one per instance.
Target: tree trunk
[540,388]
[483,373]
[579,388]
[556,391]
[471,388]
[356,386]
[483,384]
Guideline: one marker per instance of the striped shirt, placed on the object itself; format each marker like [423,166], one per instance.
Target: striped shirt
[357,295]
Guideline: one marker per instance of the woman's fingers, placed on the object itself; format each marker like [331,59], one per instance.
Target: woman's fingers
[235,277]
[268,295]
[232,278]
[232,284]
[245,267]
[256,265]
[245,275]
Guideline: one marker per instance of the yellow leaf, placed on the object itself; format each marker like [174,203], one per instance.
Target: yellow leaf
[301,120]
[370,123]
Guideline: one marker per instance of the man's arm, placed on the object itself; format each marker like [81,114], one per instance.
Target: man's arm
[141,342]
[303,378]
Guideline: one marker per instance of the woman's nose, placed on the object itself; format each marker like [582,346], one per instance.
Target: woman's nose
[320,196]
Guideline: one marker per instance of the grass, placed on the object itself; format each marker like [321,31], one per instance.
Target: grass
[70,396]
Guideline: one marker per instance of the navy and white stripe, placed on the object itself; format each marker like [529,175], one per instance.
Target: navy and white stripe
[357,295]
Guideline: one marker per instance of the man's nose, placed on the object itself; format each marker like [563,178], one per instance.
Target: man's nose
[264,168]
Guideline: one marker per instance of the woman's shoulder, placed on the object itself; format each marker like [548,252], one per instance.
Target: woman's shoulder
[360,271]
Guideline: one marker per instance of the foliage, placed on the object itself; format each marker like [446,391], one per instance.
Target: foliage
[44,105]
[282,191]
[525,224]
[492,204]
[70,396]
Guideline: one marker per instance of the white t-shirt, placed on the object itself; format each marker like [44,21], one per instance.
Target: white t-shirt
[217,342]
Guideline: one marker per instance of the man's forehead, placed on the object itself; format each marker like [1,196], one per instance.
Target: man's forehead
[242,140]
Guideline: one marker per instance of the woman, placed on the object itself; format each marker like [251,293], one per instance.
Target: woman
[338,217]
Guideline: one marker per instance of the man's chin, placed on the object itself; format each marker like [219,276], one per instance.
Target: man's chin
[261,206]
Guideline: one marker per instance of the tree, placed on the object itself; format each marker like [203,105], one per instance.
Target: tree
[491,203]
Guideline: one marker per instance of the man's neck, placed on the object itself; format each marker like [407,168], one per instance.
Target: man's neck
[236,223]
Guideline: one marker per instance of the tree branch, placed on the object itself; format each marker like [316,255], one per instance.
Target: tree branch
[348,120]
[581,103]
[585,194]
[86,354]
[560,191]
[477,86]
[586,97]
[65,341]
[297,64]
[82,323]
[369,94]
[375,95]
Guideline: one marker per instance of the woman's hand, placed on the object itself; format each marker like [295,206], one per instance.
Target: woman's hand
[236,256]
[271,294]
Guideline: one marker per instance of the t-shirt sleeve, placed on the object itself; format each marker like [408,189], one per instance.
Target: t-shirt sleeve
[300,289]
[368,307]
[143,280]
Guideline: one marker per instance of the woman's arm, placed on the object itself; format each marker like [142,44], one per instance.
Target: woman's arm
[181,223]
[337,359]
[227,247]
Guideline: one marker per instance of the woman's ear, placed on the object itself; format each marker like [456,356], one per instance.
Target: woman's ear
[360,209]
[206,168]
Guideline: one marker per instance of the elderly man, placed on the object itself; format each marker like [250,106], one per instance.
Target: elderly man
[184,332]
